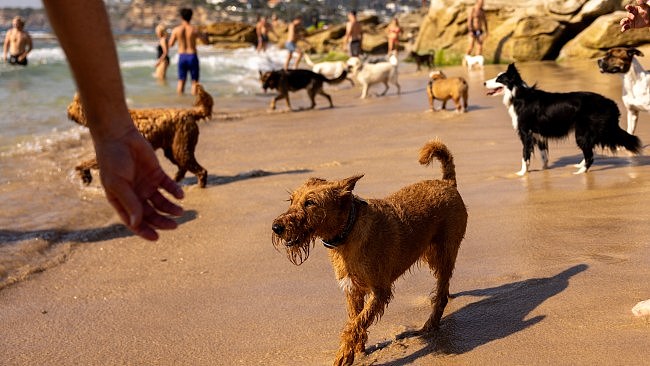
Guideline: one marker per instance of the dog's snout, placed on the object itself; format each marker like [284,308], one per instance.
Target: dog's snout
[278,229]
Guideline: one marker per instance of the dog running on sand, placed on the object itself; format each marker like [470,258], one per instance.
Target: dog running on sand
[538,115]
[442,88]
[175,130]
[285,81]
[369,74]
[373,242]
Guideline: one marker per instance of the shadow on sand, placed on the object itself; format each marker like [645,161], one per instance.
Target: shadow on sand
[214,180]
[502,312]
[55,236]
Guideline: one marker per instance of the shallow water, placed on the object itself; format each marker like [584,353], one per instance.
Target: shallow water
[43,200]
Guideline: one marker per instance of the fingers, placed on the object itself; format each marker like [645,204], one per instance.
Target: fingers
[172,187]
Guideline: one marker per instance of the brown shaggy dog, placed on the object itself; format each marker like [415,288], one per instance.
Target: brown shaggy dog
[174,130]
[442,88]
[373,242]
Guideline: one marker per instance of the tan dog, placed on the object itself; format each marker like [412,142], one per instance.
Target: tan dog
[174,130]
[442,88]
[374,242]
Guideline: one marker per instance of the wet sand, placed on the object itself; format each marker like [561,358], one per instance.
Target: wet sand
[550,267]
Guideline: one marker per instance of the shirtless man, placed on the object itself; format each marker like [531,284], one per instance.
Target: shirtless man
[477,26]
[18,43]
[188,59]
[353,35]
[262,28]
[294,33]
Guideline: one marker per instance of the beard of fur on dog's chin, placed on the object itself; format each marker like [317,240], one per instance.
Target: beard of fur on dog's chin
[298,253]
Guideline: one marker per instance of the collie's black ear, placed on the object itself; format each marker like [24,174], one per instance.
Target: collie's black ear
[634,52]
[511,67]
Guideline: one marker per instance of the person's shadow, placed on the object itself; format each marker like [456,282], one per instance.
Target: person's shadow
[503,311]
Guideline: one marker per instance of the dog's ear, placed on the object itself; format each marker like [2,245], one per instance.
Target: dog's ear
[511,67]
[347,184]
[634,52]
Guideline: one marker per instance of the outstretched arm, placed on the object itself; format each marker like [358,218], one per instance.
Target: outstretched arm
[130,172]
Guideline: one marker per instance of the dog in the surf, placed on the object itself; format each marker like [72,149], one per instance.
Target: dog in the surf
[538,116]
[636,81]
[368,74]
[329,69]
[442,88]
[285,81]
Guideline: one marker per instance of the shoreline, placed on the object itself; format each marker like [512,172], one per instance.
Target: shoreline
[550,267]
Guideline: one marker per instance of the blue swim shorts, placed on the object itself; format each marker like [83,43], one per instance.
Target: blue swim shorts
[290,46]
[188,62]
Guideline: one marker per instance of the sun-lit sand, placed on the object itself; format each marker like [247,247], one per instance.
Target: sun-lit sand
[548,272]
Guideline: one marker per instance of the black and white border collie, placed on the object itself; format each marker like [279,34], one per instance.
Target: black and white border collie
[538,116]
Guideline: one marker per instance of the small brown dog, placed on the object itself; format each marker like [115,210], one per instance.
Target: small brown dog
[442,88]
[173,130]
[374,242]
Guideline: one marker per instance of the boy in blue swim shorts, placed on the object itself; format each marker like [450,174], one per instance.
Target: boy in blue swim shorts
[188,59]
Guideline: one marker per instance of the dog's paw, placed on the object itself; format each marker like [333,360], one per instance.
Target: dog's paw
[344,357]
[582,170]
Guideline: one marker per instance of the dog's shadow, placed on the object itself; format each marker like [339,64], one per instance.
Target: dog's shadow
[604,162]
[99,234]
[502,312]
[214,180]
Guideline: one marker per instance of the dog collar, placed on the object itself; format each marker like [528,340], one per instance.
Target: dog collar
[339,239]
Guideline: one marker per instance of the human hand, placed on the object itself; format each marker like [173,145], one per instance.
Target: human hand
[132,177]
[638,16]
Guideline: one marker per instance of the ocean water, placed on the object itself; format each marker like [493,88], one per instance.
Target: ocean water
[45,208]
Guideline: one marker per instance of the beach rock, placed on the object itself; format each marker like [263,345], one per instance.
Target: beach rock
[519,30]
[230,32]
[603,34]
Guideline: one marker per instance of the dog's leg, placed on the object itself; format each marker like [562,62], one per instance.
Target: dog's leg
[527,141]
[364,91]
[588,153]
[83,170]
[274,100]
[355,298]
[311,92]
[632,118]
[542,145]
[322,92]
[183,148]
[385,89]
[356,328]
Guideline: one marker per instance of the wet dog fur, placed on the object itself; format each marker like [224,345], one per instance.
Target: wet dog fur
[374,242]
[175,130]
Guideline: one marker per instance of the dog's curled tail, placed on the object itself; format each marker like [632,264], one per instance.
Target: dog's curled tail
[308,60]
[436,149]
[203,103]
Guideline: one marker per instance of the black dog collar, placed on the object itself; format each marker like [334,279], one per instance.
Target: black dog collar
[339,239]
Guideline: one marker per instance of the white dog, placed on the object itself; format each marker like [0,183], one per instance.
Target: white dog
[636,81]
[473,62]
[369,74]
[329,69]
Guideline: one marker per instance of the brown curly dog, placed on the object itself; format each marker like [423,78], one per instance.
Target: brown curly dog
[174,130]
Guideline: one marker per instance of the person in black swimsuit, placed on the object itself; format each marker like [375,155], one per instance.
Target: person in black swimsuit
[162,49]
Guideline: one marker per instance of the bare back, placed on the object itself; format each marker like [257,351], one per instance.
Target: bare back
[186,35]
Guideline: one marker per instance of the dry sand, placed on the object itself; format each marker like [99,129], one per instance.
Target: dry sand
[548,272]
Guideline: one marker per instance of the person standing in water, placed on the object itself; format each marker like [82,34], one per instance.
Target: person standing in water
[294,33]
[393,31]
[163,53]
[477,27]
[18,43]
[188,59]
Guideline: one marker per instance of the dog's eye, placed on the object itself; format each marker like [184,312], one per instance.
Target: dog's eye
[309,203]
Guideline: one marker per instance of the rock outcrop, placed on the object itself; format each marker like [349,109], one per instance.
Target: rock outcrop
[525,30]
